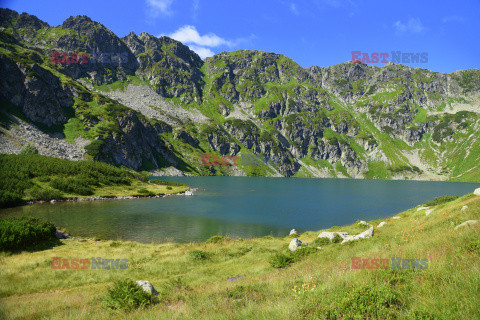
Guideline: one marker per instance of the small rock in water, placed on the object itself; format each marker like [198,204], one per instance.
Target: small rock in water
[293,232]
[147,287]
[188,193]
[296,244]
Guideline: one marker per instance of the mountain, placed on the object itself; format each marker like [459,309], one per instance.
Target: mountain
[78,91]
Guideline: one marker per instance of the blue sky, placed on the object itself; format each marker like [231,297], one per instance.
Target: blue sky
[315,32]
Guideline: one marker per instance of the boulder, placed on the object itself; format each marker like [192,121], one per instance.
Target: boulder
[477,192]
[364,235]
[293,232]
[329,235]
[396,218]
[429,211]
[365,223]
[296,244]
[188,193]
[422,208]
[467,224]
[147,287]
[381,224]
[464,208]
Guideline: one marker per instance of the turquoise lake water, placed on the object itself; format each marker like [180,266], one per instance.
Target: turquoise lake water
[241,207]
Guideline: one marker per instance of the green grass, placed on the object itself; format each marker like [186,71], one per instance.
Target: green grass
[36,177]
[316,283]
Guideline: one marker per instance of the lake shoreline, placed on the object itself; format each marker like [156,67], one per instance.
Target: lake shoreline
[136,197]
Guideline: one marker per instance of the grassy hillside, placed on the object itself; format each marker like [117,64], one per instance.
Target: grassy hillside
[33,177]
[191,278]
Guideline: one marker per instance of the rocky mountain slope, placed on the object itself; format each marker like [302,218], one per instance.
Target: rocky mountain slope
[151,103]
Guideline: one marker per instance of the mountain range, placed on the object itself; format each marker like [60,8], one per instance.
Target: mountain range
[78,91]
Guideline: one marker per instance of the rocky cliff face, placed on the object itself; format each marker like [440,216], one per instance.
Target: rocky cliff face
[347,120]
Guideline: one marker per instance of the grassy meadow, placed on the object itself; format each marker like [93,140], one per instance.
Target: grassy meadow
[320,284]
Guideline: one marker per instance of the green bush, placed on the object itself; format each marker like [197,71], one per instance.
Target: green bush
[217,239]
[145,192]
[94,147]
[167,183]
[127,295]
[37,193]
[280,260]
[28,149]
[8,198]
[321,242]
[372,301]
[20,233]
[337,239]
[72,185]
[298,254]
[440,200]
[169,188]
[198,255]
[17,172]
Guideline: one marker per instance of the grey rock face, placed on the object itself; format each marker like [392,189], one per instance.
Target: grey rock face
[296,244]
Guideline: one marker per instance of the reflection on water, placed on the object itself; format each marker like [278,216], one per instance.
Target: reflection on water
[241,207]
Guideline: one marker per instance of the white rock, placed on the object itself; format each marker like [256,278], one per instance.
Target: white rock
[464,208]
[293,232]
[147,287]
[467,224]
[429,211]
[365,223]
[364,235]
[188,193]
[343,235]
[422,208]
[477,192]
[396,218]
[381,224]
[329,235]
[296,244]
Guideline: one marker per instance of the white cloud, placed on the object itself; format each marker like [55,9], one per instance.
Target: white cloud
[203,44]
[189,34]
[202,51]
[453,19]
[159,7]
[414,25]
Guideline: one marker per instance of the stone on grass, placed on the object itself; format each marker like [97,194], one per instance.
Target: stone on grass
[422,208]
[296,244]
[231,279]
[464,208]
[328,235]
[396,218]
[477,192]
[429,211]
[147,287]
[466,224]
[293,232]
[364,235]
[381,224]
[365,223]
